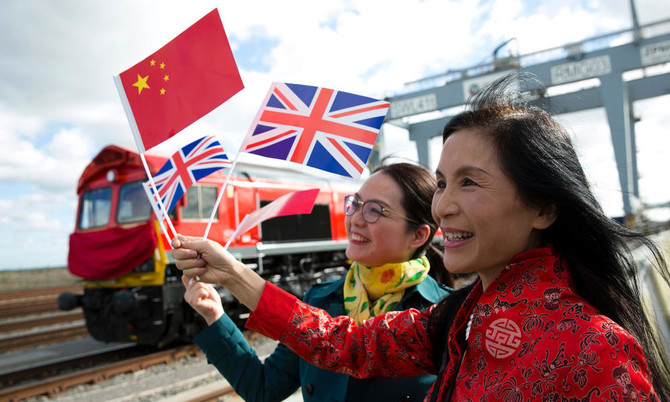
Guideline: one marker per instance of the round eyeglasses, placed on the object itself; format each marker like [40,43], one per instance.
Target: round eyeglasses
[371,210]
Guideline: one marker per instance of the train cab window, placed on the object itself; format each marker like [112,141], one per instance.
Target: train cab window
[199,203]
[95,208]
[314,226]
[133,204]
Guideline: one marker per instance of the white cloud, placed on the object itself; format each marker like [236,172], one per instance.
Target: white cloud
[51,165]
[30,212]
[38,224]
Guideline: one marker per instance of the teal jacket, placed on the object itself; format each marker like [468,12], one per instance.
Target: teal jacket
[283,372]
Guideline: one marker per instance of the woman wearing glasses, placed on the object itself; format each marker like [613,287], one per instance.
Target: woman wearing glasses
[390,230]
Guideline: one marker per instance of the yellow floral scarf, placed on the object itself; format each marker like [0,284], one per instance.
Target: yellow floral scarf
[385,285]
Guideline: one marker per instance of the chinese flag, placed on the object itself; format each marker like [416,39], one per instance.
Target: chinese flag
[181,82]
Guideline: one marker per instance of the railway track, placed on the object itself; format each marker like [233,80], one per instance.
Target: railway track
[43,337]
[20,303]
[30,318]
[51,292]
[34,322]
[133,358]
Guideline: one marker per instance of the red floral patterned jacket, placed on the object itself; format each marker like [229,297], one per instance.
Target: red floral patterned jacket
[531,338]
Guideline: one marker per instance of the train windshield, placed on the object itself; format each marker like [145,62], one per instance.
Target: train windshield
[133,204]
[200,202]
[95,208]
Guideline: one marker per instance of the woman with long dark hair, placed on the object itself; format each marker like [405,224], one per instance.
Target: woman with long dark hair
[555,312]
[536,154]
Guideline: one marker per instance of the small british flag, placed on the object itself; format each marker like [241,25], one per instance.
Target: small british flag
[318,127]
[188,165]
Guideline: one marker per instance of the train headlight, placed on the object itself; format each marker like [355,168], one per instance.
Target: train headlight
[111,175]
[146,266]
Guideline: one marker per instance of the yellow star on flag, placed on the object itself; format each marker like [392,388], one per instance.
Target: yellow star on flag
[141,83]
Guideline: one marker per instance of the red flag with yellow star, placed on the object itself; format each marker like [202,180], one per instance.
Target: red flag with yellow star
[181,82]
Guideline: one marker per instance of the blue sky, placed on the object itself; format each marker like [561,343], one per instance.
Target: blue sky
[59,106]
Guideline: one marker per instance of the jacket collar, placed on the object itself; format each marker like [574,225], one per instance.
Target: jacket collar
[525,277]
[521,275]
[429,289]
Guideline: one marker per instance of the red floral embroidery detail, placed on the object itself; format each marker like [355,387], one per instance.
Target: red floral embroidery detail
[566,349]
[383,345]
[539,340]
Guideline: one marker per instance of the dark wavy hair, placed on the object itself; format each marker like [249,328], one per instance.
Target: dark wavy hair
[536,153]
[418,185]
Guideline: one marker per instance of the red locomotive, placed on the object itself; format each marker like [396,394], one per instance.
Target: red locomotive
[133,292]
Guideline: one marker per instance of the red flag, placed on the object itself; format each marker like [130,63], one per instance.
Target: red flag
[299,202]
[181,82]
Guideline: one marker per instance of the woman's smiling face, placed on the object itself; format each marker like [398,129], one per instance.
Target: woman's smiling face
[478,208]
[387,240]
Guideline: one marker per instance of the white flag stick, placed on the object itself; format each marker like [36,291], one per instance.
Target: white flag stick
[140,147]
[152,194]
[129,114]
[246,138]
[158,198]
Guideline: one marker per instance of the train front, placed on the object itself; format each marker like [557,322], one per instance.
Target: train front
[130,293]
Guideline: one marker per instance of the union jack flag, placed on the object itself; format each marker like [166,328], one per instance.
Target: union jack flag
[188,165]
[318,127]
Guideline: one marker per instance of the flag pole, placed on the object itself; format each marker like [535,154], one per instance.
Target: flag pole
[140,147]
[135,131]
[151,195]
[158,197]
[218,198]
